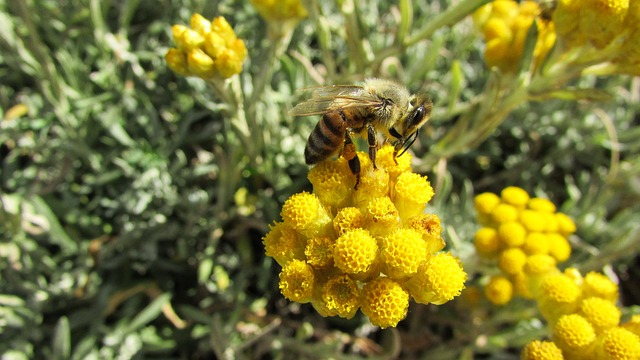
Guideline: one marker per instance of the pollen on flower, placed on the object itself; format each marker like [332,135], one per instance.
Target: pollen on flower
[557,295]
[348,218]
[395,167]
[319,252]
[412,193]
[402,252]
[499,290]
[381,216]
[600,313]
[618,344]
[438,280]
[541,350]
[332,182]
[283,244]
[297,281]
[429,226]
[355,251]
[305,213]
[574,334]
[341,295]
[384,301]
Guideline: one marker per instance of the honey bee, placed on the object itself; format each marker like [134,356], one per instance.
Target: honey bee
[377,106]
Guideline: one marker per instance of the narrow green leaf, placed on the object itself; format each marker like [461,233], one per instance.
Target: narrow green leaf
[150,313]
[62,339]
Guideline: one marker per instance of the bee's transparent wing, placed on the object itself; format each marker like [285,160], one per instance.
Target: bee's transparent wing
[328,98]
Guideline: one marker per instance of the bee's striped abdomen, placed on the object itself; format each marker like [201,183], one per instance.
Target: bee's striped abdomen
[326,138]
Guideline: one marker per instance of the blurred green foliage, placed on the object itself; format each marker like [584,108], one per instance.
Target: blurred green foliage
[134,201]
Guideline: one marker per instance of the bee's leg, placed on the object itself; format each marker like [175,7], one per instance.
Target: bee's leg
[349,152]
[373,144]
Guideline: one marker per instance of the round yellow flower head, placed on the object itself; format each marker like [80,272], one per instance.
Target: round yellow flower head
[297,281]
[536,243]
[633,325]
[332,182]
[412,193]
[539,264]
[319,252]
[429,226]
[515,196]
[341,295]
[600,313]
[384,302]
[598,285]
[381,216]
[373,184]
[511,234]
[566,226]
[574,335]
[355,251]
[559,247]
[402,252]
[484,204]
[209,49]
[541,350]
[348,218]
[499,290]
[618,344]
[395,167]
[557,295]
[542,205]
[305,213]
[283,244]
[503,213]
[487,242]
[532,220]
[511,261]
[438,280]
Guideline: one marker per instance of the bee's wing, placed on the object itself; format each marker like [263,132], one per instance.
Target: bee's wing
[327,98]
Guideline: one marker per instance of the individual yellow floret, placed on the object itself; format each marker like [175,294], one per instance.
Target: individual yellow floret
[541,350]
[633,324]
[341,295]
[536,243]
[557,295]
[574,335]
[515,196]
[550,222]
[598,285]
[283,243]
[381,216]
[177,61]
[532,220]
[484,204]
[511,234]
[438,280]
[511,261]
[499,290]
[503,213]
[542,205]
[319,252]
[297,281]
[487,242]
[384,302]
[618,344]
[429,226]
[566,226]
[355,251]
[280,10]
[395,167]
[332,182]
[348,218]
[411,194]
[559,247]
[601,314]
[402,252]
[305,213]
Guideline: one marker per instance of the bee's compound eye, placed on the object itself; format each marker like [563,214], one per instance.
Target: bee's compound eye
[395,133]
[418,115]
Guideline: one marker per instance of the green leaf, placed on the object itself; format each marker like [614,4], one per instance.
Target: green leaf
[62,339]
[150,313]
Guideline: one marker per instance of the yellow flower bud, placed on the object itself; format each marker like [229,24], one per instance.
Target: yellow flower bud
[515,196]
[200,24]
[386,161]
[557,295]
[200,64]
[503,213]
[429,226]
[487,242]
[486,202]
[319,252]
[566,226]
[511,234]
[559,247]
[348,218]
[177,61]
[499,290]
[511,261]
[532,220]
[332,182]
[355,251]
[280,10]
[177,31]
[536,243]
[598,285]
[412,193]
[283,244]
[384,302]
[381,216]
[542,205]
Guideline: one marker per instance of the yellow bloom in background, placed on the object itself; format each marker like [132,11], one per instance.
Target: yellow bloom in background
[486,242]
[206,49]
[541,350]
[599,285]
[499,290]
[280,10]
[343,249]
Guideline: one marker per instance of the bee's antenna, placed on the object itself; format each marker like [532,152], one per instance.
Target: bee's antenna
[406,146]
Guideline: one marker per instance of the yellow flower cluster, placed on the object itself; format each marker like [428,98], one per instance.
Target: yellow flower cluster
[505,24]
[524,235]
[207,49]
[372,248]
[583,318]
[280,10]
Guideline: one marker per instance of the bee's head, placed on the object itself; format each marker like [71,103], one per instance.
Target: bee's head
[407,129]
